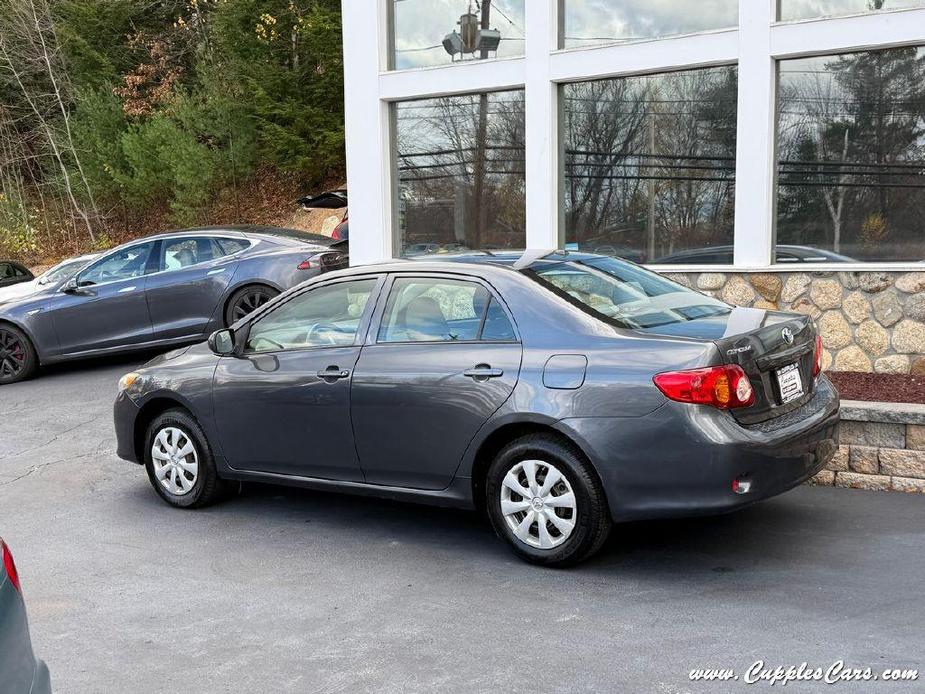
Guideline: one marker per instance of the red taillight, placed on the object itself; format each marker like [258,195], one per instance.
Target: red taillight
[338,232]
[724,387]
[9,565]
[305,265]
[817,357]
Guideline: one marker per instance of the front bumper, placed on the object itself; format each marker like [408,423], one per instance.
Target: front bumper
[681,460]
[125,412]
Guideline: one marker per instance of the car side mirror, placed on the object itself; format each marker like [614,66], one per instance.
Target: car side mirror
[222,343]
[73,287]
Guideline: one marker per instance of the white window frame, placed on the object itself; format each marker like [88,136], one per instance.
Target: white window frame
[756,46]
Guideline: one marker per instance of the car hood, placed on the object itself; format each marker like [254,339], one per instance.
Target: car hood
[34,299]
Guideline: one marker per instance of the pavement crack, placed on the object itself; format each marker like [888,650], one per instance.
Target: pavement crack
[40,466]
[49,441]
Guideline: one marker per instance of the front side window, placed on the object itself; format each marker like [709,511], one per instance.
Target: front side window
[650,164]
[324,317]
[460,173]
[851,168]
[7,271]
[125,264]
[428,33]
[598,22]
[442,310]
[790,10]
[623,294]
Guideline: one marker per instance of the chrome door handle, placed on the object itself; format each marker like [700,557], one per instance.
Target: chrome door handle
[126,290]
[333,373]
[482,372]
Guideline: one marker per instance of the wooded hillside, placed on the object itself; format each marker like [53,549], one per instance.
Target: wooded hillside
[121,117]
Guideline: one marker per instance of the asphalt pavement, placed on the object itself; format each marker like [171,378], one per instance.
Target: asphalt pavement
[284,590]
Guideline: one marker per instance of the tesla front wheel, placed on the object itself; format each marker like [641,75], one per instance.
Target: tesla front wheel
[179,462]
[546,501]
[18,360]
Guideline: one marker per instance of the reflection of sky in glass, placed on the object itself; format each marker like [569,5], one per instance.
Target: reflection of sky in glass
[420,25]
[809,9]
[592,22]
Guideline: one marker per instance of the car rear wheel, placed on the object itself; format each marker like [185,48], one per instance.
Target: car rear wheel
[247,300]
[179,462]
[545,500]
[18,360]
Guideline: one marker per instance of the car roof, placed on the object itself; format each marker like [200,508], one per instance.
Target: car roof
[242,231]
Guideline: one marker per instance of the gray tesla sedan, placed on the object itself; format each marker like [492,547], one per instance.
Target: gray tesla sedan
[20,671]
[560,392]
[158,291]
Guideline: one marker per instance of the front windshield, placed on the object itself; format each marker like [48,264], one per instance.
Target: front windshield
[623,293]
[63,271]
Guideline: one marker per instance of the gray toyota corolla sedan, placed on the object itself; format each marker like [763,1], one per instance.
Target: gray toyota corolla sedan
[20,671]
[560,392]
[158,291]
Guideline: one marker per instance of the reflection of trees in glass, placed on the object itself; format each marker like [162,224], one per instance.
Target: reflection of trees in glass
[852,153]
[650,161]
[460,163]
[809,9]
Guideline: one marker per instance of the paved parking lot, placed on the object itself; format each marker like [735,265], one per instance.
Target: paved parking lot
[292,591]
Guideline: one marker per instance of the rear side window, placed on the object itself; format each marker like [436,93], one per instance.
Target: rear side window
[222,247]
[442,310]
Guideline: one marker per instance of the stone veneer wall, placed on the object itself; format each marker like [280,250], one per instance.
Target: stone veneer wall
[869,321]
[881,447]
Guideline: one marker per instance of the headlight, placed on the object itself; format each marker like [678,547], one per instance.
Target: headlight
[129,380]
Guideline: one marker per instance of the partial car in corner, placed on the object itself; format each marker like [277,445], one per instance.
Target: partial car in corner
[12,273]
[559,392]
[158,291]
[20,671]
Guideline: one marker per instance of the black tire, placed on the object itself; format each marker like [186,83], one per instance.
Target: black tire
[246,300]
[208,487]
[18,360]
[591,518]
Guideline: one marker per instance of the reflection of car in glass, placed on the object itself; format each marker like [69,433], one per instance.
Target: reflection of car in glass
[559,391]
[20,670]
[604,248]
[12,273]
[421,248]
[722,255]
[62,271]
[158,291]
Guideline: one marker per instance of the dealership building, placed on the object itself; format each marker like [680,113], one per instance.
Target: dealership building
[768,152]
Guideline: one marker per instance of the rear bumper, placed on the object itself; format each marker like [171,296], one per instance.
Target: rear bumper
[125,412]
[681,460]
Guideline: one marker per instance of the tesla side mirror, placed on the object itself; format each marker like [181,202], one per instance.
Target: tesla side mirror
[71,286]
[222,343]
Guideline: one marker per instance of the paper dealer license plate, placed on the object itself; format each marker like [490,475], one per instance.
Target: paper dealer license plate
[790,383]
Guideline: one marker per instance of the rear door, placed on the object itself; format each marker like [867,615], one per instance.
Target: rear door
[441,357]
[193,274]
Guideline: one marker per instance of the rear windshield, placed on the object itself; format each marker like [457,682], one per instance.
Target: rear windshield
[622,293]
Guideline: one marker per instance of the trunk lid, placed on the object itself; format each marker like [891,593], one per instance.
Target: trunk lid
[775,349]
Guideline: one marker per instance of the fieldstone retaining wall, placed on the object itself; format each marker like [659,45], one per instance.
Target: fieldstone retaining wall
[881,447]
[869,321]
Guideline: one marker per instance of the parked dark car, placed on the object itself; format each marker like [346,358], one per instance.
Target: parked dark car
[559,391]
[20,671]
[12,273]
[722,255]
[158,291]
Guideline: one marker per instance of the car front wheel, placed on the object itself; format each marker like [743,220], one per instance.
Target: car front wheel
[546,502]
[18,360]
[179,462]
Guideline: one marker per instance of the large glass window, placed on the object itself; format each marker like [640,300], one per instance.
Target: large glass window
[851,142]
[650,165]
[791,10]
[125,264]
[460,173]
[426,33]
[596,22]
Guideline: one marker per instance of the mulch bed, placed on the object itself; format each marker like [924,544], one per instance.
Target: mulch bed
[878,387]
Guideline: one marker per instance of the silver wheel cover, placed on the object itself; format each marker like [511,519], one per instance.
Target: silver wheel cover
[176,461]
[538,504]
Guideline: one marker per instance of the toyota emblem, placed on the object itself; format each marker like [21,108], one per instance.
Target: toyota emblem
[787,334]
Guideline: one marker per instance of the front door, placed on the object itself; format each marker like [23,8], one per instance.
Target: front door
[187,290]
[444,359]
[284,405]
[108,308]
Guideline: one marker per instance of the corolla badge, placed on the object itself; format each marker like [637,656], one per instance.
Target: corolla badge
[787,334]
